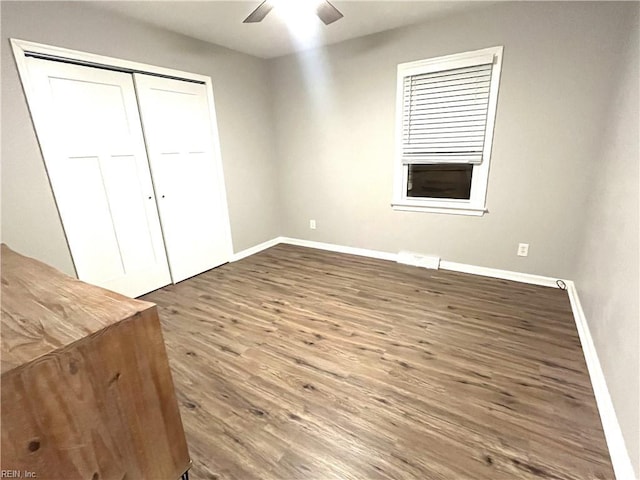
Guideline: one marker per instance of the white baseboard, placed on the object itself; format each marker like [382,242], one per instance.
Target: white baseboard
[613,434]
[502,274]
[620,459]
[255,249]
[444,265]
[363,252]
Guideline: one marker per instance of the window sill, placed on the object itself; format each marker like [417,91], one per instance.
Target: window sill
[450,209]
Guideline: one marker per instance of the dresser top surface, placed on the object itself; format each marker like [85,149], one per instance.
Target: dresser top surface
[44,309]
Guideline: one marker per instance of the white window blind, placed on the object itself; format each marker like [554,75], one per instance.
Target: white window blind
[444,116]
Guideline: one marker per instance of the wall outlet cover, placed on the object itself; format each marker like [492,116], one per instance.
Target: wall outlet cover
[523,249]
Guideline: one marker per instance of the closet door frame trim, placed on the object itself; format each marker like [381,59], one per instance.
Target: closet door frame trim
[22,49]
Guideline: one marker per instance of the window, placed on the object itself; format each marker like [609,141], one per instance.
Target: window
[445,115]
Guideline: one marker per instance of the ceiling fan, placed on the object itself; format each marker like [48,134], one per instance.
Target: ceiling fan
[325,11]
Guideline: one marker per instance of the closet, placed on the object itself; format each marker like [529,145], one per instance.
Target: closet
[130,159]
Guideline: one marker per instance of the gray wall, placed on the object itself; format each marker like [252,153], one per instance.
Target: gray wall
[336,135]
[30,223]
[607,275]
[564,172]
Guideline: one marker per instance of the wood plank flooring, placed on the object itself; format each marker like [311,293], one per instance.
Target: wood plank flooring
[303,364]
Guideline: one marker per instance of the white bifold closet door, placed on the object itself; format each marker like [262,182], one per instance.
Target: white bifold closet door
[91,137]
[139,209]
[176,117]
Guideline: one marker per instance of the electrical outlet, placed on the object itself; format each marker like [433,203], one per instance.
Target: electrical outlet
[523,249]
[312,224]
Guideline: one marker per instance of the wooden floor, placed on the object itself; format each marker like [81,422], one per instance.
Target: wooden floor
[302,364]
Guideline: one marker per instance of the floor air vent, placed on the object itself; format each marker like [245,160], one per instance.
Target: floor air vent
[419,260]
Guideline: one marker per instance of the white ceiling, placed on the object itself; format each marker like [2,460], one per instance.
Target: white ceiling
[220,22]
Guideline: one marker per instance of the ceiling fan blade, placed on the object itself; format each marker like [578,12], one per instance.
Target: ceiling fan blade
[328,13]
[259,13]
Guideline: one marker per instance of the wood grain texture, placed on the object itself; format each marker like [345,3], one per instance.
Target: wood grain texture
[302,364]
[44,309]
[86,390]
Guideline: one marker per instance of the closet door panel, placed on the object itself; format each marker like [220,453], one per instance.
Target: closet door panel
[183,212]
[129,212]
[88,223]
[178,133]
[90,133]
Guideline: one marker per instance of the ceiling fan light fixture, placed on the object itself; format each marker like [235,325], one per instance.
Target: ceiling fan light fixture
[296,10]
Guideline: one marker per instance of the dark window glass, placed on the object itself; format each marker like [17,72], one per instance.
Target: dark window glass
[440,181]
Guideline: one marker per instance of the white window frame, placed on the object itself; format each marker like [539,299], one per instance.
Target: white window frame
[476,205]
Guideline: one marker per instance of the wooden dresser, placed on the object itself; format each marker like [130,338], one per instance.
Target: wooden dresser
[86,388]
